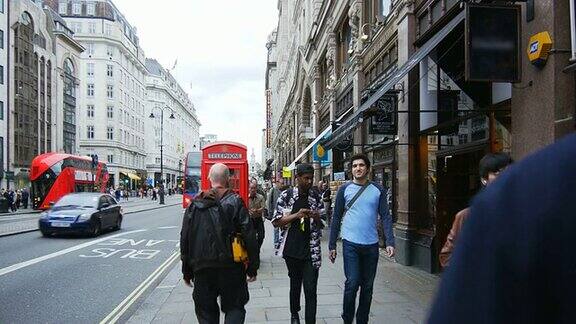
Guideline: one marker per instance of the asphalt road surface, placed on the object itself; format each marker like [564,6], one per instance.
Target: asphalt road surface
[84,280]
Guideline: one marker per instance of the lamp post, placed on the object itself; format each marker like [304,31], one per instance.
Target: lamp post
[161,191]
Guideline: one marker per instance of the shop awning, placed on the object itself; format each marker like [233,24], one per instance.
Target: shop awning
[326,131]
[131,175]
[350,124]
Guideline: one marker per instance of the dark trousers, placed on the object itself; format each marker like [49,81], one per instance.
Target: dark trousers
[301,272]
[228,283]
[360,264]
[258,223]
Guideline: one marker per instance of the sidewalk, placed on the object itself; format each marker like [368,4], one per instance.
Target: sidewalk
[401,294]
[17,223]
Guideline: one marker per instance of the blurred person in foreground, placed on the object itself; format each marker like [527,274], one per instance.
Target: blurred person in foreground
[206,251]
[490,167]
[515,261]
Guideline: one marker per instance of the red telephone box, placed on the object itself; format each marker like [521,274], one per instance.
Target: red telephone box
[234,156]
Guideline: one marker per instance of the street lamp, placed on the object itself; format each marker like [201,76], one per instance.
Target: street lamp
[161,192]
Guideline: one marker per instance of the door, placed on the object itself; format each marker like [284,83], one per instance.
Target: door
[104,212]
[458,182]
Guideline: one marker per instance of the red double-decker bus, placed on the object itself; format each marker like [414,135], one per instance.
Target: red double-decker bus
[191,180]
[54,175]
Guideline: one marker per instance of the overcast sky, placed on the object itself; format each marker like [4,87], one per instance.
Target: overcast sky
[221,51]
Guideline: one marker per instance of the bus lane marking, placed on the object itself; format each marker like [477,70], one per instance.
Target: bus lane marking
[24,264]
[168,227]
[125,249]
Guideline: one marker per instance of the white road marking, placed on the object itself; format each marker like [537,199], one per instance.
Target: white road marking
[166,287]
[115,315]
[167,227]
[24,264]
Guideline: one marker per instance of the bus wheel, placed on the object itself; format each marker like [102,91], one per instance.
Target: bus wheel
[96,228]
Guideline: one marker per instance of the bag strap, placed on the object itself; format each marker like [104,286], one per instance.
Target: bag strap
[351,202]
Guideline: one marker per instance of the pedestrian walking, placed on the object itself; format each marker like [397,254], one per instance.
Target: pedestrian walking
[25,197]
[327,200]
[154,194]
[18,199]
[272,199]
[256,205]
[490,167]
[515,260]
[358,204]
[298,215]
[206,251]
[11,200]
[117,194]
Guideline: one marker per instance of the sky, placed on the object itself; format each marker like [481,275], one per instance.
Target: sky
[220,49]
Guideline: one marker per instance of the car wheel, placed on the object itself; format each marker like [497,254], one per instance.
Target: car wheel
[96,229]
[45,233]
[118,223]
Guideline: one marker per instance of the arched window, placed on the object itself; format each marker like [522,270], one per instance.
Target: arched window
[69,67]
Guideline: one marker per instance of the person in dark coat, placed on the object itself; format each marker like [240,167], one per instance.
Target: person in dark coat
[25,196]
[515,260]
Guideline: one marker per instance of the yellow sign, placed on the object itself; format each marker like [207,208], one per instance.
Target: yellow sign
[286,173]
[320,151]
[539,48]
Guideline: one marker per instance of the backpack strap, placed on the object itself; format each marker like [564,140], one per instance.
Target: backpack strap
[356,196]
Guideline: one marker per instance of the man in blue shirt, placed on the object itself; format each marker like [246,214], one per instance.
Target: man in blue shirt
[358,204]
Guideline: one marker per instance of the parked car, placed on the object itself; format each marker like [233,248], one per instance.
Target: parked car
[86,212]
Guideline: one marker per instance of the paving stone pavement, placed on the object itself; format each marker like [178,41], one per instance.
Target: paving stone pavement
[401,294]
[16,223]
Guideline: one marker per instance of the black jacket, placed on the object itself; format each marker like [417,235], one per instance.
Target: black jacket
[198,251]
[515,261]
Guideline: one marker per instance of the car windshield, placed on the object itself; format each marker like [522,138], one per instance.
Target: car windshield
[77,201]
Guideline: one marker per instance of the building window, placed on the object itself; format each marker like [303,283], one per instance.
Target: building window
[1,74]
[384,8]
[90,69]
[108,30]
[110,158]
[110,91]
[157,160]
[76,27]
[77,8]
[110,70]
[1,38]
[90,9]
[90,48]
[90,89]
[110,133]
[110,51]
[1,110]
[62,7]
[90,111]
[90,132]
[92,28]
[110,112]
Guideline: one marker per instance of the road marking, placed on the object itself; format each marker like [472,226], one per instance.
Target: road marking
[167,227]
[166,287]
[24,264]
[115,315]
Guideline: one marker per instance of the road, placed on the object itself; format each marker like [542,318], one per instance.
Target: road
[76,279]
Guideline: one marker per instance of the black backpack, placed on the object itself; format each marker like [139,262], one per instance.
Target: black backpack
[205,238]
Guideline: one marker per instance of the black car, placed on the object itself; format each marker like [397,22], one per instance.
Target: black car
[87,212]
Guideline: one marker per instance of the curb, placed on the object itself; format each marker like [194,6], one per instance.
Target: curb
[126,213]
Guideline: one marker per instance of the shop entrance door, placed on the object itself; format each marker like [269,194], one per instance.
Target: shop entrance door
[458,182]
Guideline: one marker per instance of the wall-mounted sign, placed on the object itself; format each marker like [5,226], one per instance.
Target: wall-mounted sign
[492,42]
[286,173]
[385,116]
[224,156]
[539,47]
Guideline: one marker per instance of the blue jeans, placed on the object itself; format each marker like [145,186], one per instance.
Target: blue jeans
[360,264]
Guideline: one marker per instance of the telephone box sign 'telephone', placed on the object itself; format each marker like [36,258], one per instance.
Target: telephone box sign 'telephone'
[232,155]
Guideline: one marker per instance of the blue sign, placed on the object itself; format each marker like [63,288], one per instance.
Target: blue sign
[319,153]
[150,181]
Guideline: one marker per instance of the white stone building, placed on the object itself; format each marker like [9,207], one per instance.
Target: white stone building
[111,100]
[166,98]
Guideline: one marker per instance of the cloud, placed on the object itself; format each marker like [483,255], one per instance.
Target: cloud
[220,47]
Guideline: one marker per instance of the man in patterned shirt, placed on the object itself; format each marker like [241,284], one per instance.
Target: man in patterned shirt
[298,215]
